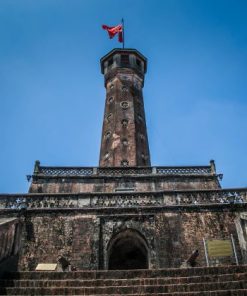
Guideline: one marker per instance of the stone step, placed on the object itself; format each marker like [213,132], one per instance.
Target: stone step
[129,274]
[239,292]
[123,290]
[123,282]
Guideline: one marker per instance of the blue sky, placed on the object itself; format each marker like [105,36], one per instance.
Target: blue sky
[52,94]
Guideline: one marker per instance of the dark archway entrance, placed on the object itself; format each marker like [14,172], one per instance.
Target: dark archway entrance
[128,250]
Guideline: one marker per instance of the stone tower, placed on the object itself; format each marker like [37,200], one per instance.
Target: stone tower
[124,135]
[124,214]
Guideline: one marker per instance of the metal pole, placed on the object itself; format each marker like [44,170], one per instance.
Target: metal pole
[234,249]
[205,250]
[123,30]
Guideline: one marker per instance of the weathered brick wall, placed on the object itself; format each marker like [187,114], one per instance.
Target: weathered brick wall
[50,236]
[179,234]
[75,185]
[83,238]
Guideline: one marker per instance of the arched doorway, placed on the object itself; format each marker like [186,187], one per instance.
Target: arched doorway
[127,250]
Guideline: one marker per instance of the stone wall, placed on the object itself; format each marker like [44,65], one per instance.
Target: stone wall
[83,239]
[110,184]
[179,234]
[50,236]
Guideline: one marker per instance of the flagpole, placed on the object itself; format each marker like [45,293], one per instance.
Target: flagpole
[123,30]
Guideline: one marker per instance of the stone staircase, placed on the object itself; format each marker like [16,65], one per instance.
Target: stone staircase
[224,280]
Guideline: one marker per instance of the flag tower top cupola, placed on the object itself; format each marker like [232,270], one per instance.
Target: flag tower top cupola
[123,58]
[124,135]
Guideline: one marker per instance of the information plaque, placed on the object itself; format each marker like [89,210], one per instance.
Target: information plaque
[219,248]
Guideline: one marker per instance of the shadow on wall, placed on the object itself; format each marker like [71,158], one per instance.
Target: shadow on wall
[10,233]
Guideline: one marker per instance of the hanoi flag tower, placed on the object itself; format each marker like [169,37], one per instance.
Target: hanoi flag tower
[124,137]
[124,214]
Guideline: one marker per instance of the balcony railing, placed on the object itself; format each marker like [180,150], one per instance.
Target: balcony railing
[124,200]
[123,171]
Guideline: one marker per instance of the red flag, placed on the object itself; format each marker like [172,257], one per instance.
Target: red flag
[112,31]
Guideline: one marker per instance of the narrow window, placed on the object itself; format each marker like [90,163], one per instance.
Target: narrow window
[124,189]
[125,142]
[110,62]
[124,122]
[124,162]
[106,156]
[138,63]
[124,59]
[110,100]
[107,135]
[108,117]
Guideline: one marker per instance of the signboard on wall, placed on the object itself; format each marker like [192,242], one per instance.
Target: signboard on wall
[219,248]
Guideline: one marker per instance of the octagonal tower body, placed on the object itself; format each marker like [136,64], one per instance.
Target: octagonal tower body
[124,139]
